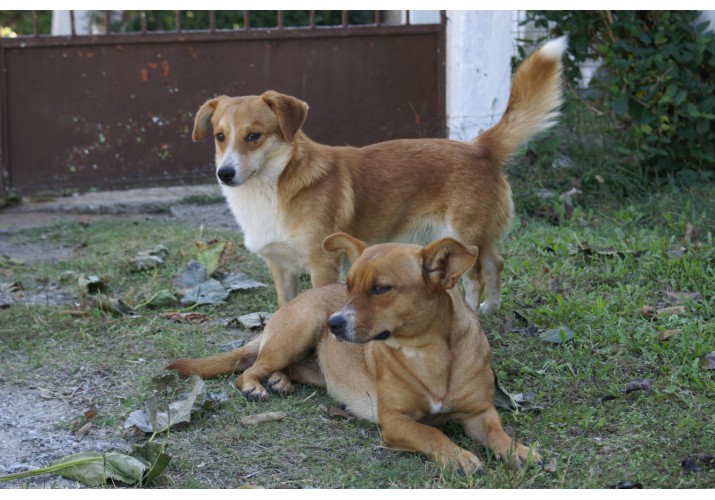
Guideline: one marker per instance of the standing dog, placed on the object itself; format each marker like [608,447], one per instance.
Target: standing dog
[396,344]
[288,193]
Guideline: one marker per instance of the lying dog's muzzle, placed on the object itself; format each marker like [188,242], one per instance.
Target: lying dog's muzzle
[338,326]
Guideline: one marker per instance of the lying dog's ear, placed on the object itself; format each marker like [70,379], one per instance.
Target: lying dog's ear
[291,112]
[345,243]
[445,260]
[202,123]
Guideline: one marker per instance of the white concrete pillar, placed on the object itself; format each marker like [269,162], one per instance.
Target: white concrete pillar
[479,45]
[61,22]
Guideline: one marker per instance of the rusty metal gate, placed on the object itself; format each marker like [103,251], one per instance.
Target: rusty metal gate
[116,110]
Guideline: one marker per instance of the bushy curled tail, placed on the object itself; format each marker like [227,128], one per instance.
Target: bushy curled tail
[536,94]
[236,360]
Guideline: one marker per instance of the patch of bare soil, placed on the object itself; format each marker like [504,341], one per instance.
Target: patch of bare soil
[34,430]
[35,422]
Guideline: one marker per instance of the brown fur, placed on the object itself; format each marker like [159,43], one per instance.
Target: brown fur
[432,364]
[289,192]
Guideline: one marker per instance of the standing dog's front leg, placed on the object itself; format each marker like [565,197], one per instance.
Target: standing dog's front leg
[402,432]
[324,268]
[285,280]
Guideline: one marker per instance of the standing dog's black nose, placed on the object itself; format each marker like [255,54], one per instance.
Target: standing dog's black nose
[226,174]
[337,323]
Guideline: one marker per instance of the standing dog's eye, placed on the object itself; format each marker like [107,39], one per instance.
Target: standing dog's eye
[220,137]
[253,137]
[379,290]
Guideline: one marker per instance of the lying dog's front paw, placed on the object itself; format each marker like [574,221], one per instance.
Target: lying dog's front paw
[522,456]
[464,461]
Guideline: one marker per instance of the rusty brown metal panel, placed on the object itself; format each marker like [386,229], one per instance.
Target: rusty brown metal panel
[117,111]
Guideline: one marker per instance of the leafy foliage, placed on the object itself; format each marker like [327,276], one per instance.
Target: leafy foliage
[655,84]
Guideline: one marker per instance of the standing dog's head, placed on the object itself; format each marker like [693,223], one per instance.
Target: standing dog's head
[253,134]
[396,291]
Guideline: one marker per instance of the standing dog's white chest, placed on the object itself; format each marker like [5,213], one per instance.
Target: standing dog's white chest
[255,207]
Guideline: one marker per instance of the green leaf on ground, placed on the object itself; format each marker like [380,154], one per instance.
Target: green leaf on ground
[557,335]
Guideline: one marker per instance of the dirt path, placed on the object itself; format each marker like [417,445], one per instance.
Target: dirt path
[35,421]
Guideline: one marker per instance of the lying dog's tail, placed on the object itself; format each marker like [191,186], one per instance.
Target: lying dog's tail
[236,360]
[536,94]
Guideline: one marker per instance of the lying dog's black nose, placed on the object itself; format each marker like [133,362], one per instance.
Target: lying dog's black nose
[337,325]
[226,174]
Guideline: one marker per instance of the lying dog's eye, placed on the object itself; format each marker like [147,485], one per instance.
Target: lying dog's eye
[220,137]
[379,290]
[253,137]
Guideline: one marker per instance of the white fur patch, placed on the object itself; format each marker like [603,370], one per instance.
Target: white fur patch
[554,49]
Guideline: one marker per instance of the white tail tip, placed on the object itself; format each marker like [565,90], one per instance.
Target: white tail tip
[554,49]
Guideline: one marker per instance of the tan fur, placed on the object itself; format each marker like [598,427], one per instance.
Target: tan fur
[432,364]
[289,192]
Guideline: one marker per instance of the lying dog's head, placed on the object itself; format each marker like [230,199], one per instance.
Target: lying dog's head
[253,134]
[396,291]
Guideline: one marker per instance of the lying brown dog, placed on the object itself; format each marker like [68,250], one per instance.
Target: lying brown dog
[289,193]
[397,345]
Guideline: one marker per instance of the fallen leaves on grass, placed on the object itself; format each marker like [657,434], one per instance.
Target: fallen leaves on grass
[186,317]
[150,420]
[254,321]
[262,418]
[639,384]
[149,259]
[83,431]
[681,296]
[196,287]
[666,334]
[335,412]
[97,469]
[707,361]
[557,335]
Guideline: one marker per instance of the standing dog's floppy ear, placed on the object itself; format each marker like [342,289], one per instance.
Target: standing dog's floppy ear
[444,262]
[202,123]
[291,112]
[346,243]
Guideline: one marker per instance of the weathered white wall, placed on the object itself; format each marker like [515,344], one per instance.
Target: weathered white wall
[61,22]
[479,45]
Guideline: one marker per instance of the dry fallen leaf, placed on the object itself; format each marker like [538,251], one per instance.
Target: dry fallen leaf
[707,361]
[186,317]
[552,467]
[263,418]
[91,413]
[671,310]
[666,334]
[337,412]
[83,431]
[647,311]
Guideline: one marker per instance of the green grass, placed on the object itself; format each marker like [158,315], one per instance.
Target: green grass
[550,280]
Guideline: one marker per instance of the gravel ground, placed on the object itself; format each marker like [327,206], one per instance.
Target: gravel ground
[34,421]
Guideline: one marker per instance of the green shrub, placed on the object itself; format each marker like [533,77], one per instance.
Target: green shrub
[656,84]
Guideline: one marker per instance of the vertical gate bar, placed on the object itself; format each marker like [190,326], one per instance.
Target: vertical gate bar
[212,21]
[311,16]
[280,19]
[106,22]
[142,17]
[72,22]
[246,20]
[442,74]
[5,177]
[377,18]
[345,18]
[407,17]
[178,21]
[35,25]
